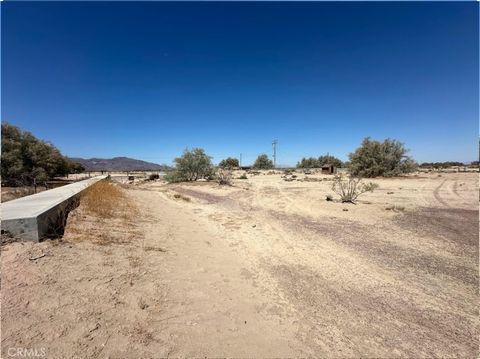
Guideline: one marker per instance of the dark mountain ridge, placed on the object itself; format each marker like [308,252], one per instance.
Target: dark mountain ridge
[118,164]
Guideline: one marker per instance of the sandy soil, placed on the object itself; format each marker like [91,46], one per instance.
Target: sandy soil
[265,268]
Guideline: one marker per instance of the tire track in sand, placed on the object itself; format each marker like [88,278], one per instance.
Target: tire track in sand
[436,194]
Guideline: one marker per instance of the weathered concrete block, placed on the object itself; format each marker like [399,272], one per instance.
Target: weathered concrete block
[43,214]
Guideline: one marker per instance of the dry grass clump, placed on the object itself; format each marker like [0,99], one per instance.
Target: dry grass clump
[103,199]
[106,214]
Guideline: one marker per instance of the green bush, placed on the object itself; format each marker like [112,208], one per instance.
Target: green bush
[173,176]
[27,160]
[191,166]
[330,160]
[312,162]
[374,158]
[263,162]
[229,162]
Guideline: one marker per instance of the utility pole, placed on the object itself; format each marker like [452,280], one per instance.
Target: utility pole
[274,145]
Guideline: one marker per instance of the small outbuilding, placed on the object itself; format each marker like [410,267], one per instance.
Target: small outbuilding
[328,169]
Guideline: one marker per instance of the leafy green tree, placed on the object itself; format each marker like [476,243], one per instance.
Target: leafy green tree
[310,162]
[263,162]
[27,160]
[374,158]
[229,162]
[329,160]
[13,167]
[76,167]
[191,166]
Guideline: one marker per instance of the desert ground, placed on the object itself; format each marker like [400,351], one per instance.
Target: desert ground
[263,268]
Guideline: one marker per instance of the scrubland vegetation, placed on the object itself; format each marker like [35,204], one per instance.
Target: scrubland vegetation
[27,160]
[263,163]
[312,162]
[373,158]
[229,163]
[351,188]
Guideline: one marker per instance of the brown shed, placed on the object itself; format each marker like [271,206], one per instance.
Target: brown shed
[328,169]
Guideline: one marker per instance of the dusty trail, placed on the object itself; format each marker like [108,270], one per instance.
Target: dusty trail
[265,268]
[372,272]
[212,288]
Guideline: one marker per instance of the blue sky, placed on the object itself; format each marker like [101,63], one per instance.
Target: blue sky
[146,80]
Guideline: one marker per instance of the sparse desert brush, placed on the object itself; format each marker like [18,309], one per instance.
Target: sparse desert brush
[243,176]
[350,189]
[103,199]
[224,176]
[191,166]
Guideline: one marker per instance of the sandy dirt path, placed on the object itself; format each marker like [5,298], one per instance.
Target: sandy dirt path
[177,290]
[265,268]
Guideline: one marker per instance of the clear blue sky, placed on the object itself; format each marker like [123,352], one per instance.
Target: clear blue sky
[148,79]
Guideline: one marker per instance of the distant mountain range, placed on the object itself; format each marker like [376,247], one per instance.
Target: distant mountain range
[117,164]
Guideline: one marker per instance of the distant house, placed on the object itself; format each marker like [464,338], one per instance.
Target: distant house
[328,169]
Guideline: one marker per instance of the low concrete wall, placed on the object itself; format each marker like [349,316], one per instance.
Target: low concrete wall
[43,214]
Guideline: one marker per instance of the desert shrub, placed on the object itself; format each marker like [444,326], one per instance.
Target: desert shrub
[174,176]
[330,160]
[229,163]
[374,158]
[350,189]
[243,176]
[441,164]
[263,162]
[310,162]
[191,166]
[224,176]
[153,177]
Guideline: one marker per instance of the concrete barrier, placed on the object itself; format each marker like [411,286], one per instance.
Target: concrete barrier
[43,214]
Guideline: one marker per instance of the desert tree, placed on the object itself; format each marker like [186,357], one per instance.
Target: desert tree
[27,160]
[229,162]
[310,162]
[329,160]
[374,158]
[263,162]
[193,165]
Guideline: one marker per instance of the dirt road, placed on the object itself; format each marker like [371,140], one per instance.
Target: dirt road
[264,268]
